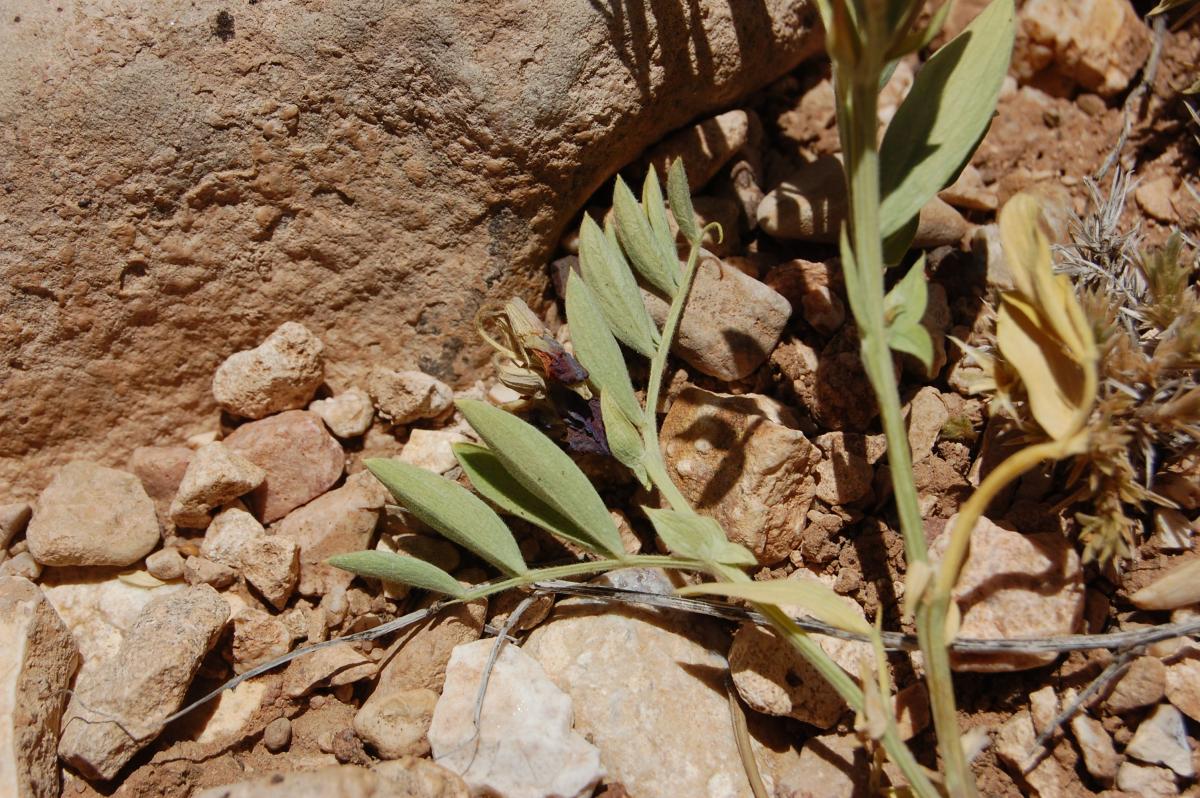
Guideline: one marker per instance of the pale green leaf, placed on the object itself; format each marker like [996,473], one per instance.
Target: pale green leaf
[545,471]
[596,348]
[904,307]
[608,275]
[452,510]
[698,537]
[637,239]
[810,595]
[399,569]
[945,115]
[656,212]
[624,438]
[918,38]
[489,476]
[681,203]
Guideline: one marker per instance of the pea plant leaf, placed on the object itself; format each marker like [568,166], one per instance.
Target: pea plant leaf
[1041,330]
[637,239]
[452,510]
[597,349]
[904,307]
[698,537]
[945,115]
[399,569]
[607,273]
[812,596]
[682,209]
[489,476]
[656,212]
[624,438]
[546,471]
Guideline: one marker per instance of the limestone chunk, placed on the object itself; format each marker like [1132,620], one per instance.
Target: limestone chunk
[705,147]
[281,373]
[348,415]
[1162,739]
[1099,756]
[216,475]
[396,722]
[92,515]
[271,565]
[403,397]
[13,520]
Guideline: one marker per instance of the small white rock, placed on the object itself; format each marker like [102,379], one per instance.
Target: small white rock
[271,564]
[1162,739]
[406,396]
[165,564]
[431,449]
[282,373]
[1146,781]
[524,745]
[1099,756]
[230,531]
[214,477]
[348,414]
[396,722]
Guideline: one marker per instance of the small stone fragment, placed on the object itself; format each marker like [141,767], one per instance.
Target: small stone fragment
[524,744]
[1178,587]
[37,660]
[911,706]
[347,415]
[738,460]
[843,475]
[301,460]
[1183,685]
[403,397]
[731,323]
[1162,739]
[92,515]
[215,476]
[271,565]
[420,661]
[773,678]
[165,564]
[341,521]
[337,781]
[1142,684]
[143,684]
[1099,756]
[277,736]
[836,765]
[1146,781]
[1154,197]
[1014,744]
[336,665]
[258,637]
[811,289]
[1014,585]
[161,469]
[230,532]
[13,520]
[396,722]
[203,571]
[969,192]
[927,414]
[281,373]
[430,449]
[413,777]
[1172,530]
[23,565]
[705,147]
[1043,708]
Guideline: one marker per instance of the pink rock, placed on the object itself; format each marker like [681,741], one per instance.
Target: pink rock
[301,458]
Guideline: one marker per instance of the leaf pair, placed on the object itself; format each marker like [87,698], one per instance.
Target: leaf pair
[644,231]
[1041,329]
[903,308]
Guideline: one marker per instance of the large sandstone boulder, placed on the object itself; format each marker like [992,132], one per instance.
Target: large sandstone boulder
[178,180]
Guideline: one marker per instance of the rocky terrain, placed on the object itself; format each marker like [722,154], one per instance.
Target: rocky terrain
[295,285]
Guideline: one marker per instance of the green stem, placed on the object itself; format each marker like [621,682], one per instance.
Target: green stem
[580,569]
[857,123]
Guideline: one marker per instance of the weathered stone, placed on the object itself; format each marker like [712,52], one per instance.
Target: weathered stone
[811,288]
[161,470]
[214,476]
[407,778]
[1178,587]
[835,766]
[731,324]
[844,474]
[37,661]
[652,694]
[230,532]
[1162,739]
[1099,756]
[92,515]
[300,458]
[811,206]
[737,459]
[348,415]
[396,722]
[1099,45]
[165,564]
[1014,745]
[203,571]
[341,521]
[271,565]
[281,373]
[13,520]
[277,736]
[524,743]
[1183,685]
[430,449]
[1142,684]
[1014,585]
[23,565]
[336,665]
[233,714]
[705,147]
[403,397]
[412,777]
[196,239]
[927,414]
[135,691]
[1146,781]
[258,637]
[969,192]
[829,381]
[420,660]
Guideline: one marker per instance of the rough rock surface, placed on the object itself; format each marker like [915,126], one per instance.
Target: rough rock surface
[396,722]
[281,373]
[737,459]
[214,476]
[1099,756]
[420,661]
[1015,585]
[402,397]
[406,778]
[648,689]
[301,459]
[92,515]
[524,744]
[390,165]
[143,684]
[37,661]
[161,469]
[347,415]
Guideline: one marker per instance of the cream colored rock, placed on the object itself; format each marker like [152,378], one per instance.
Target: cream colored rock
[420,661]
[161,469]
[258,637]
[396,722]
[403,397]
[341,521]
[1014,745]
[1146,781]
[92,515]
[970,193]
[406,778]
[731,323]
[281,373]
[705,147]
[430,449]
[271,565]
[13,520]
[277,736]
[419,778]
[1142,684]
[1178,587]
[835,766]
[230,532]
[348,415]
[233,714]
[23,565]
[1099,756]
[1014,585]
[1162,739]
[1183,685]
[214,476]
[926,415]
[138,688]
[37,661]
[336,665]
[165,564]
[844,474]
[738,459]
[203,571]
